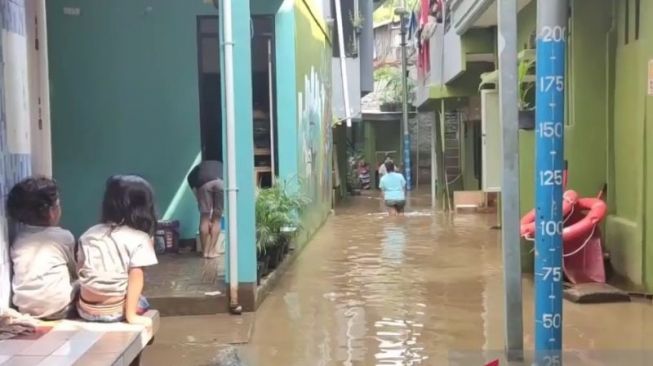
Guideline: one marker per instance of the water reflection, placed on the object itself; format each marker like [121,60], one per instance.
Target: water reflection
[393,244]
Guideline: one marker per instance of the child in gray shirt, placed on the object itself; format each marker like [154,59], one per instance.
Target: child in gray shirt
[42,252]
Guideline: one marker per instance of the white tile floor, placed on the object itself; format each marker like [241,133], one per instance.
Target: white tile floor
[71,341]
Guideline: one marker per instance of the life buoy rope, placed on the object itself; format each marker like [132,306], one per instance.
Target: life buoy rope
[527,223]
[596,212]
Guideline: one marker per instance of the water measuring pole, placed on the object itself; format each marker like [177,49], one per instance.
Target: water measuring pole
[552,16]
[403,16]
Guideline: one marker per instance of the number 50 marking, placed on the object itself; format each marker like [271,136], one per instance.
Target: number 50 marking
[552,321]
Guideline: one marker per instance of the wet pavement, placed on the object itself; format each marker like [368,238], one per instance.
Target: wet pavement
[417,290]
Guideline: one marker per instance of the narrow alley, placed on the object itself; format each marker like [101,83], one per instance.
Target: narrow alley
[417,290]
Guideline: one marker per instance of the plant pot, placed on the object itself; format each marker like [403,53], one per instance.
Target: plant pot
[390,107]
[266,264]
[263,261]
[527,120]
[281,254]
[274,257]
[259,272]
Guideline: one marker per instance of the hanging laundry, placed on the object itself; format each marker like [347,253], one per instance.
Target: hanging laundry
[423,59]
[412,25]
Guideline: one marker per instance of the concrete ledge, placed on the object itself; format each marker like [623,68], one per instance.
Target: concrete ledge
[74,342]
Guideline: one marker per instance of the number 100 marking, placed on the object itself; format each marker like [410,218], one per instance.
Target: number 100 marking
[551,228]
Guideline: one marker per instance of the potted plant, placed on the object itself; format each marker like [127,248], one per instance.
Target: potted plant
[391,88]
[526,86]
[353,183]
[278,213]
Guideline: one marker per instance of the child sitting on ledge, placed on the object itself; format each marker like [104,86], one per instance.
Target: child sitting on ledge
[42,252]
[112,255]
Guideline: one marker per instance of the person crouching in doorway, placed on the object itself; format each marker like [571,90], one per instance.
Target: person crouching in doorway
[206,181]
[393,186]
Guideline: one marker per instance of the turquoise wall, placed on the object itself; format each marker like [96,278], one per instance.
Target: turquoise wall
[242,99]
[124,99]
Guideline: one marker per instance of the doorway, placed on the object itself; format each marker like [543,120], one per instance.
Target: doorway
[264,100]
[263,94]
[208,57]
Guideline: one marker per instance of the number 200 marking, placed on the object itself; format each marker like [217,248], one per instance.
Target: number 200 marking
[553,34]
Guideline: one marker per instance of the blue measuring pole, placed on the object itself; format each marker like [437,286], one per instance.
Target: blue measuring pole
[550,97]
[407,170]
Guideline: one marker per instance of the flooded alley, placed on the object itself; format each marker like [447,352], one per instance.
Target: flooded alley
[416,290]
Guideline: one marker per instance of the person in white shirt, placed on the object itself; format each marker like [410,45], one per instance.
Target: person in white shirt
[112,254]
[382,169]
[42,252]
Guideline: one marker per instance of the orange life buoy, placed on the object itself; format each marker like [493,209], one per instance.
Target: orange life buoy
[596,211]
[527,222]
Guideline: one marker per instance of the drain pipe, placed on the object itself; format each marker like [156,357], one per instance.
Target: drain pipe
[232,186]
[343,61]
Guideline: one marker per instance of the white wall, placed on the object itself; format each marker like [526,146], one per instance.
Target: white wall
[15,128]
[39,87]
[354,81]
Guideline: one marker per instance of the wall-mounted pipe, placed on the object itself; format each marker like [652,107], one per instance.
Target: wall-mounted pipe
[232,186]
[343,62]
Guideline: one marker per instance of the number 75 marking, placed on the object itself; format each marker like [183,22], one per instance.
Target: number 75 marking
[555,272]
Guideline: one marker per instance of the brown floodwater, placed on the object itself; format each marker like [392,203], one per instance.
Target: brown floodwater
[418,290]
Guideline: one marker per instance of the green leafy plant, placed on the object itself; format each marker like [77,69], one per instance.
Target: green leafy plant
[389,84]
[278,213]
[489,80]
[353,157]
[525,72]
[356,21]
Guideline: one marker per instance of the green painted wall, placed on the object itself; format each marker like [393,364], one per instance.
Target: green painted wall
[586,136]
[647,53]
[607,127]
[340,146]
[478,40]
[388,138]
[469,180]
[313,81]
[463,86]
[631,190]
[526,23]
[369,142]
[124,100]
